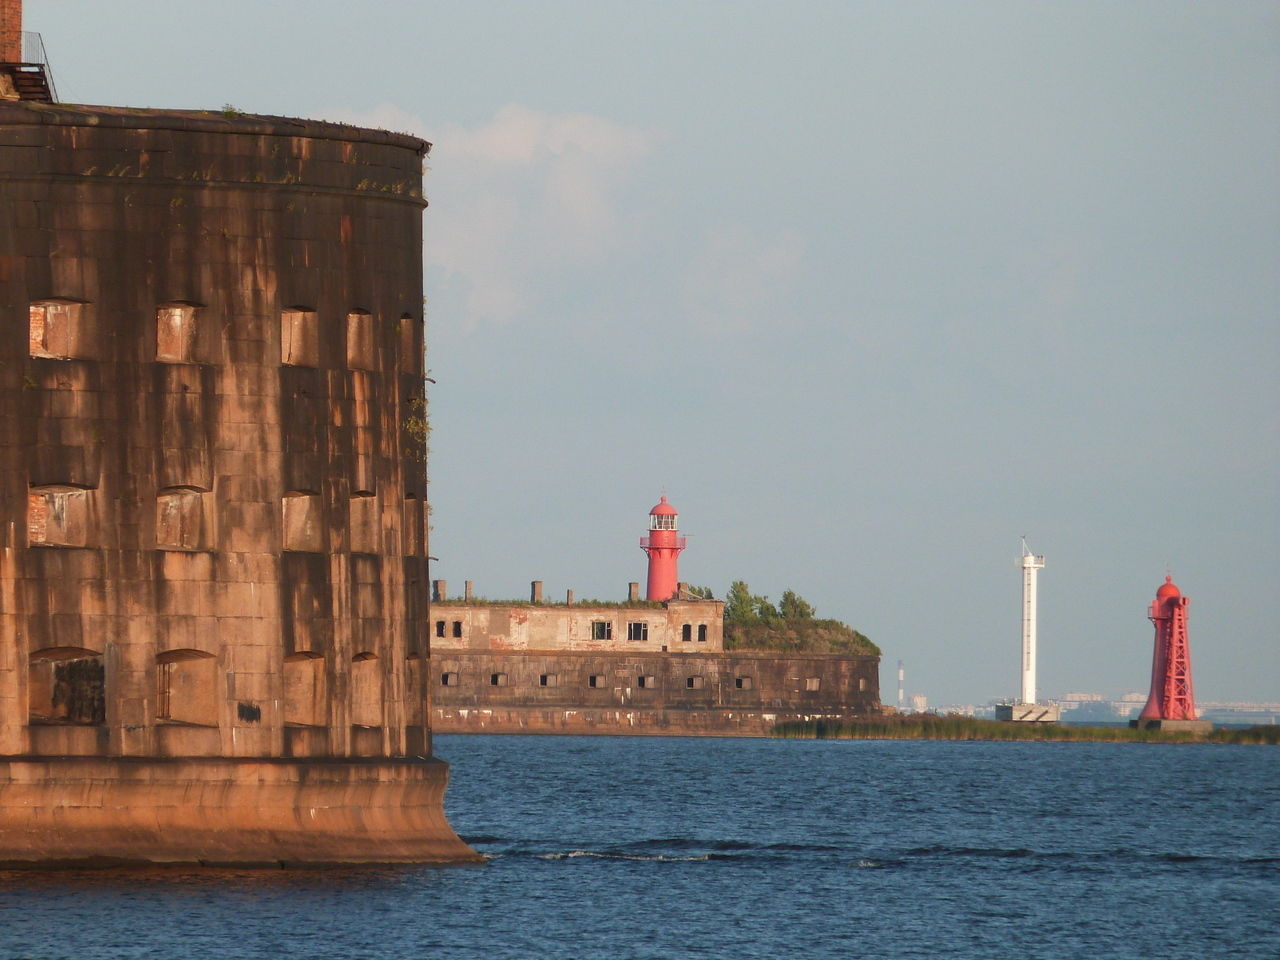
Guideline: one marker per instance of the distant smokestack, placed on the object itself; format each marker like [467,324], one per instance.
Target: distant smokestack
[901,694]
[469,589]
[535,591]
[438,588]
[568,598]
[10,31]
[633,592]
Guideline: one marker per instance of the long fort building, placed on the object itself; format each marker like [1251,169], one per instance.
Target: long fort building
[213,589]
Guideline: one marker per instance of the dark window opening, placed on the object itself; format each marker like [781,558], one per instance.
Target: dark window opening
[457,628]
[601,630]
[744,683]
[549,680]
[595,681]
[497,679]
[702,633]
[686,633]
[439,628]
[693,683]
[637,631]
[449,679]
[646,681]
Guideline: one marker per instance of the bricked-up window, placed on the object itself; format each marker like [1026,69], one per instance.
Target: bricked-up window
[449,679]
[549,680]
[176,332]
[186,687]
[66,685]
[862,684]
[364,522]
[686,633]
[58,515]
[813,683]
[410,352]
[301,520]
[637,630]
[596,681]
[414,694]
[744,683]
[646,681]
[497,679]
[702,633]
[180,523]
[601,630]
[305,703]
[360,352]
[366,690]
[693,683]
[56,328]
[412,526]
[439,628]
[299,337]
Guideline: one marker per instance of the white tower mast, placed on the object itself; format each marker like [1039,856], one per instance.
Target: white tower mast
[1030,564]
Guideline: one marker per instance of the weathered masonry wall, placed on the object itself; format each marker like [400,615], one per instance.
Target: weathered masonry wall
[212,474]
[733,693]
[678,626]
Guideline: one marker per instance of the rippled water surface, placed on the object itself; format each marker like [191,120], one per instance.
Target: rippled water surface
[656,848]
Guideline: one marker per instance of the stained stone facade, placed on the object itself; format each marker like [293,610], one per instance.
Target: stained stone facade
[212,482]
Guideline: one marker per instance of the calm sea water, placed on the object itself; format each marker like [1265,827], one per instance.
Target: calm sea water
[657,848]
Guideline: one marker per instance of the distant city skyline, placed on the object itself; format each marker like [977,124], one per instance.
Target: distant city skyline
[869,290]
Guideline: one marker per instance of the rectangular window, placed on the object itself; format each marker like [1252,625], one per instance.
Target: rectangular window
[702,633]
[58,516]
[601,630]
[439,628]
[744,683]
[301,520]
[299,337]
[180,519]
[549,680]
[646,681]
[186,682]
[596,681]
[66,685]
[305,703]
[55,328]
[686,633]
[497,679]
[862,684]
[176,332]
[363,518]
[813,683]
[693,683]
[457,628]
[637,630]
[448,679]
[360,340]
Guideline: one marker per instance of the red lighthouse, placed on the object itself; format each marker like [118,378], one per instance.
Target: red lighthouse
[1171,703]
[663,546]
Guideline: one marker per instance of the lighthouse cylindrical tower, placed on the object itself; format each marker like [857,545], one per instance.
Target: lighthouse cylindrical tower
[1031,565]
[1171,702]
[663,545]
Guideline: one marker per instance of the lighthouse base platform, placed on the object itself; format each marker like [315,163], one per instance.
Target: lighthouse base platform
[1028,712]
[1173,726]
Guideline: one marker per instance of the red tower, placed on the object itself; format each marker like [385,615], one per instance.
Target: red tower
[663,547]
[1171,697]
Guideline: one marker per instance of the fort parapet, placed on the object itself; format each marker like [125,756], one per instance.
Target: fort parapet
[212,480]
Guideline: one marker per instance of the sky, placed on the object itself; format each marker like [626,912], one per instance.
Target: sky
[868,290]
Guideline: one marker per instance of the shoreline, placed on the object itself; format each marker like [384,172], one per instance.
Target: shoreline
[930,727]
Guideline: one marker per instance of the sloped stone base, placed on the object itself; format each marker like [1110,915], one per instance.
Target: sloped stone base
[270,812]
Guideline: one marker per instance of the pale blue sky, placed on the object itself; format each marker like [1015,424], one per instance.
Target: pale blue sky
[869,289]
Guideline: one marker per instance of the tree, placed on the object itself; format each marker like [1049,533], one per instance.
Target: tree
[795,607]
[739,604]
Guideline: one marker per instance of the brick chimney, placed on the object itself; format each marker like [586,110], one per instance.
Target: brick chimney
[10,31]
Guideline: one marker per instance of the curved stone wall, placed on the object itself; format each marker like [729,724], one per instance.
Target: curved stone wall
[212,468]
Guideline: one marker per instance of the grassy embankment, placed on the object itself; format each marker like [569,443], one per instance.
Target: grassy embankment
[782,635]
[930,727]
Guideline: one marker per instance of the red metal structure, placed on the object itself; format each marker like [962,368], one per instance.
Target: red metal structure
[1171,696]
[663,546]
